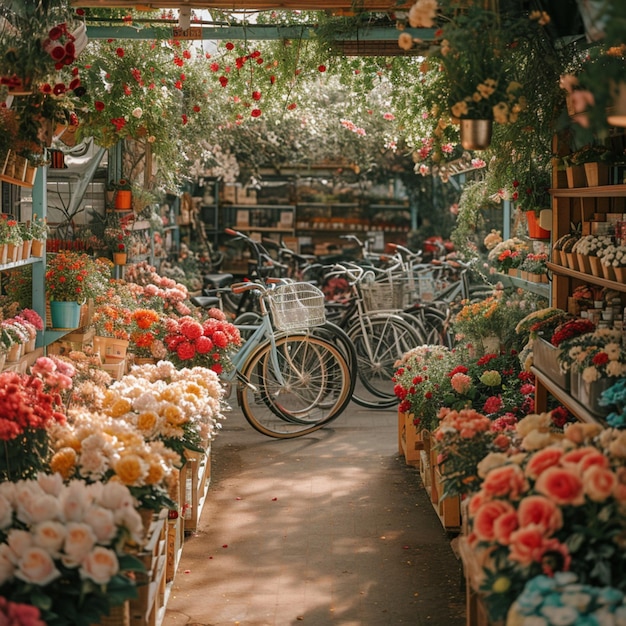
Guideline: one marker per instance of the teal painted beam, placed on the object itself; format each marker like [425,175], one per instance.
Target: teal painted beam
[257,32]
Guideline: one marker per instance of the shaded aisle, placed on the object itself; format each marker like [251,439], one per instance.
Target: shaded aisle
[332,528]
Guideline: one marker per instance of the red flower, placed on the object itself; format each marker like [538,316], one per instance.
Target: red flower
[120,52]
[256,95]
[255,112]
[230,46]
[321,68]
[600,359]
[223,81]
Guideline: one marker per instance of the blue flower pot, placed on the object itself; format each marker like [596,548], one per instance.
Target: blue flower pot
[65,314]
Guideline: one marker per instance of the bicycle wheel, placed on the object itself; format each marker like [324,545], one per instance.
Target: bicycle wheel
[380,340]
[296,389]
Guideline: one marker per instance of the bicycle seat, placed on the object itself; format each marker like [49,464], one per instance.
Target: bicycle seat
[205,302]
[216,281]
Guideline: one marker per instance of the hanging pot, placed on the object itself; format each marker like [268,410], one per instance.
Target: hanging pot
[124,200]
[119,258]
[476,134]
[535,231]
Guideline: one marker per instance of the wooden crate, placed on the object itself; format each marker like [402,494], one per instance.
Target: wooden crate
[195,477]
[448,509]
[175,541]
[410,441]
[146,609]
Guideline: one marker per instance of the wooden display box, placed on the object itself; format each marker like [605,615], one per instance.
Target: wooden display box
[448,509]
[195,477]
[116,370]
[151,585]
[410,441]
[175,541]
[545,359]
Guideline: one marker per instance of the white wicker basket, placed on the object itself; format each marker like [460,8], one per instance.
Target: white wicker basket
[382,296]
[297,306]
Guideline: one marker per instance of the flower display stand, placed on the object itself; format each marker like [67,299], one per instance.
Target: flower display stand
[410,441]
[147,609]
[448,509]
[195,477]
[175,541]
[545,359]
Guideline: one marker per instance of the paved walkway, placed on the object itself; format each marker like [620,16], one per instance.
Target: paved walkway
[332,529]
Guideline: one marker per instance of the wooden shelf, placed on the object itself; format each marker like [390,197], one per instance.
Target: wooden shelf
[596,280]
[606,191]
[15,181]
[262,229]
[564,398]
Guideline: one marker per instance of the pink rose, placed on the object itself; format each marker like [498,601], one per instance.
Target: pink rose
[50,536]
[486,517]
[584,457]
[102,521]
[476,501]
[541,460]
[599,483]
[100,565]
[36,566]
[540,512]
[505,481]
[527,545]
[561,485]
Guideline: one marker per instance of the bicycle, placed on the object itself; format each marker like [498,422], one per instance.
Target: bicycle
[290,382]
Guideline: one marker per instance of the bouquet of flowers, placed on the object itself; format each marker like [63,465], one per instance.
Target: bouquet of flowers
[508,254]
[595,355]
[561,599]
[208,343]
[65,548]
[541,323]
[30,404]
[146,334]
[18,614]
[420,382]
[112,320]
[535,263]
[557,508]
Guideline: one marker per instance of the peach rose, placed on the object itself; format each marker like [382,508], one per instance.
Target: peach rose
[599,483]
[540,512]
[79,542]
[527,545]
[540,461]
[102,522]
[7,567]
[6,513]
[36,566]
[505,481]
[561,485]
[584,457]
[476,501]
[100,565]
[503,526]
[487,515]
[579,432]
[50,536]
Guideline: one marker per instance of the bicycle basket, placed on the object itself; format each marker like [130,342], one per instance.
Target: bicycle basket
[297,306]
[382,296]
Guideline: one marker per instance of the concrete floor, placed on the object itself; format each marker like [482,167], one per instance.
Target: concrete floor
[332,528]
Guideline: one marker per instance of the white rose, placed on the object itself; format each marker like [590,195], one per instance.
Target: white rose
[590,374]
[49,535]
[36,566]
[6,513]
[115,496]
[7,568]
[50,483]
[79,541]
[130,519]
[137,112]
[39,509]
[102,522]
[100,565]
[19,541]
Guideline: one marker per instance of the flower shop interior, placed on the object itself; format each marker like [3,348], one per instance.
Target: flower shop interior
[427,196]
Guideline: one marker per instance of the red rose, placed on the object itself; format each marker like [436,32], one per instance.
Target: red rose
[542,460]
[505,481]
[486,516]
[541,512]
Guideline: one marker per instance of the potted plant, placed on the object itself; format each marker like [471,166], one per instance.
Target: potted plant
[119,241]
[71,279]
[38,231]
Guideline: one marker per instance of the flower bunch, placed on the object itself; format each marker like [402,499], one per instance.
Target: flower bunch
[614,255]
[208,343]
[595,355]
[156,292]
[182,412]
[19,614]
[558,508]
[74,277]
[615,398]
[508,254]
[119,239]
[535,263]
[592,245]
[64,547]
[462,439]
[96,447]
[112,320]
[9,231]
[492,239]
[569,329]
[30,404]
[561,599]
[542,322]
[420,381]
[146,334]
[31,317]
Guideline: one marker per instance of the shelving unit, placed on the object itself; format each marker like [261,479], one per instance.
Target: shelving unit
[573,205]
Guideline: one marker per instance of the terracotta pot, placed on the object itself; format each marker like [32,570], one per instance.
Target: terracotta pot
[124,200]
[534,229]
[27,246]
[576,176]
[36,248]
[597,174]
[476,134]
[596,266]
[119,258]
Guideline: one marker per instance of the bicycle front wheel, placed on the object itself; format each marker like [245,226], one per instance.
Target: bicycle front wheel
[294,389]
[379,342]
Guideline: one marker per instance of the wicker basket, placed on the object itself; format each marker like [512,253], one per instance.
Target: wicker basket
[382,296]
[297,306]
